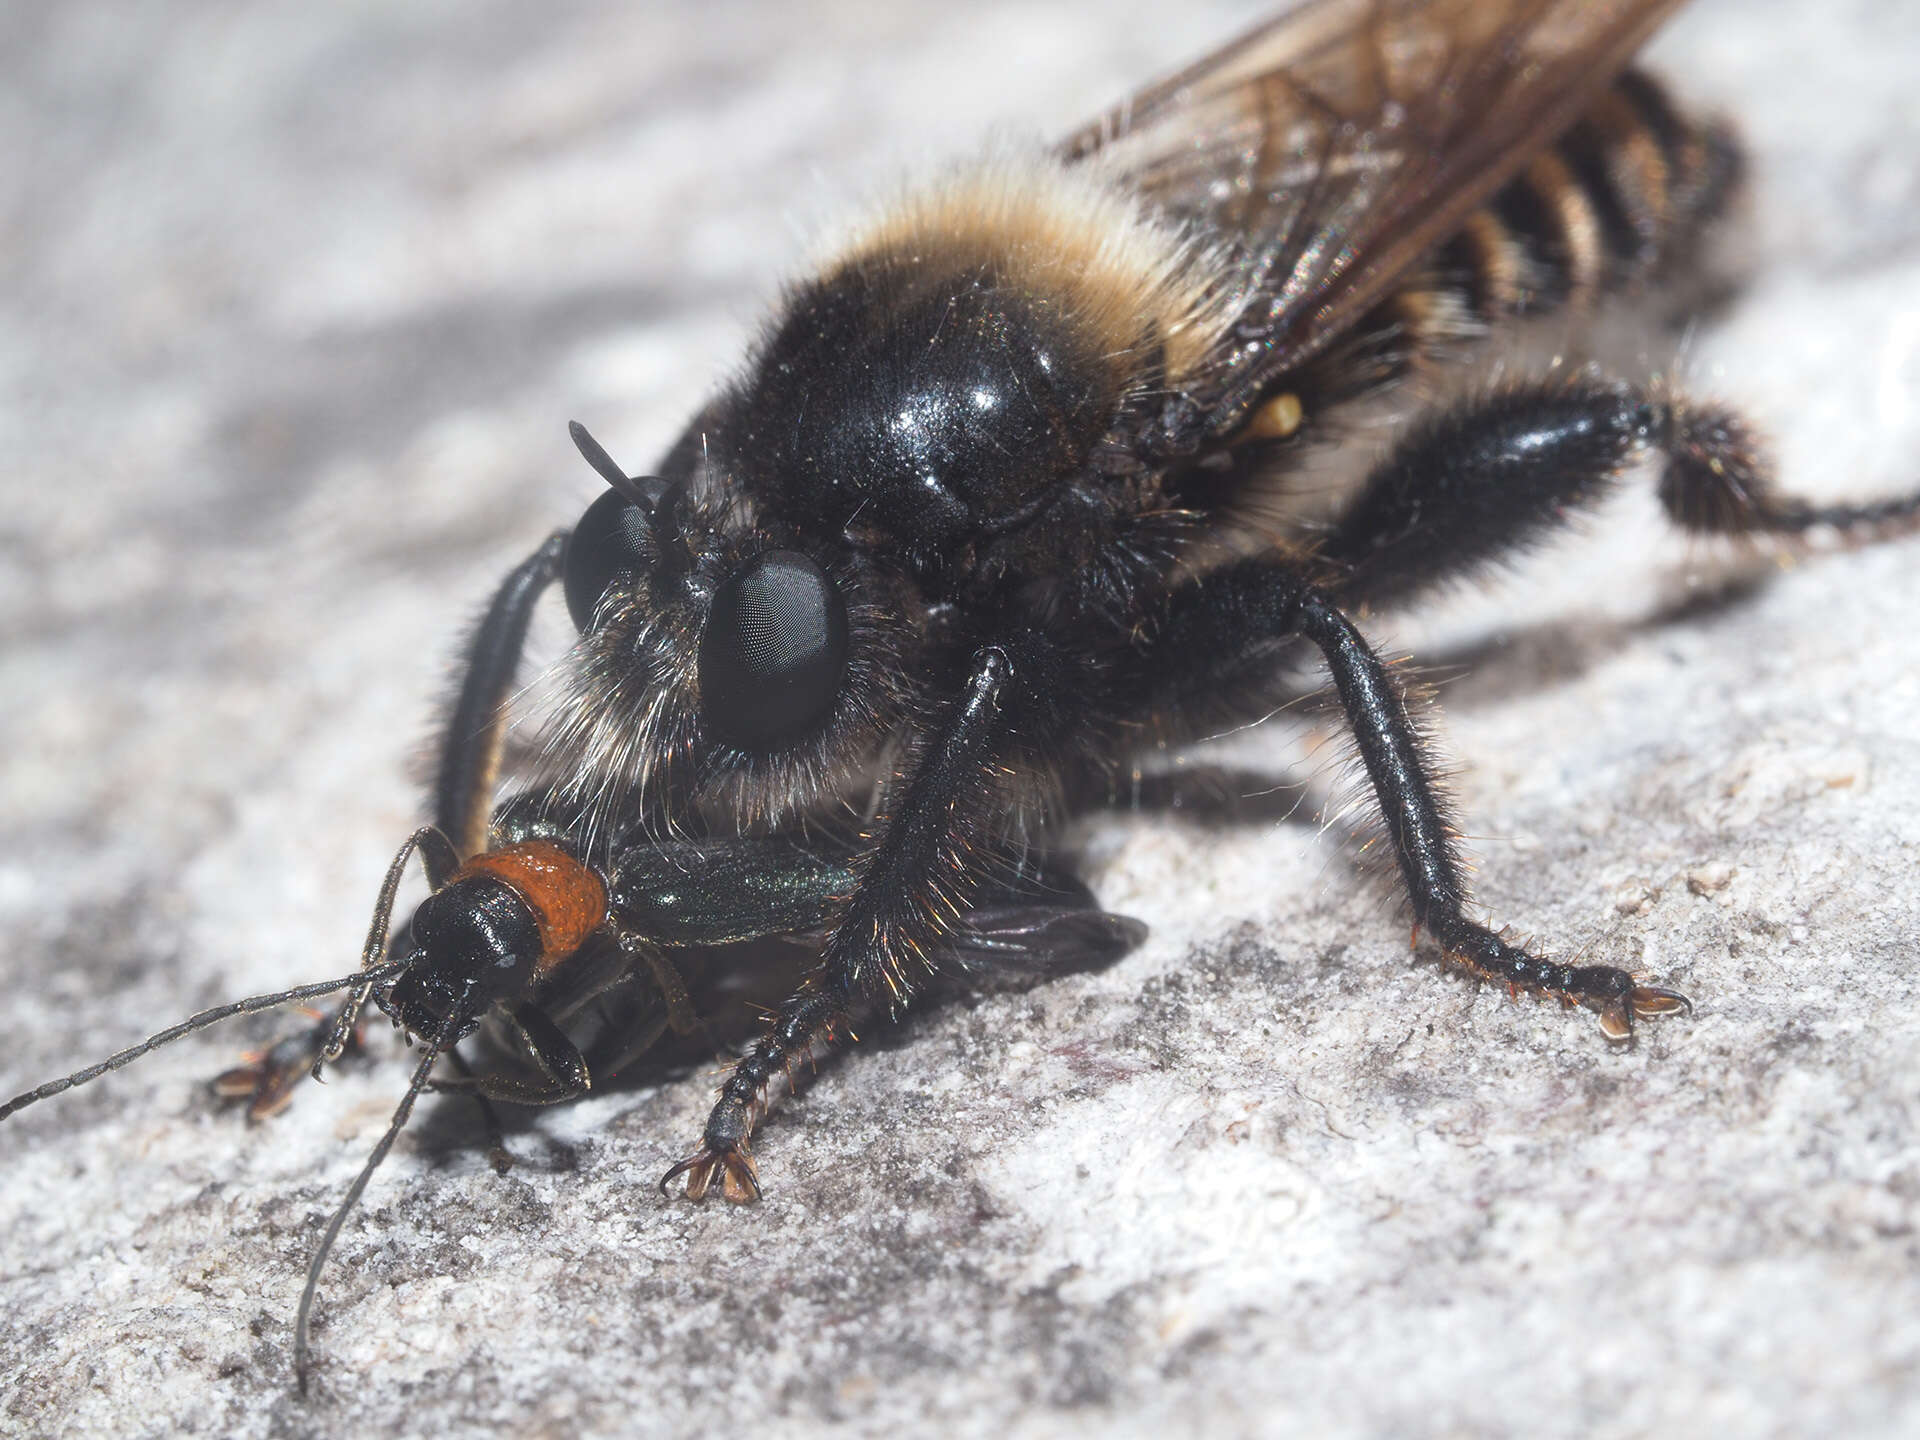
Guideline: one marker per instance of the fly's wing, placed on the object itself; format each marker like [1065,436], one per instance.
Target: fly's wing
[1020,930]
[1330,148]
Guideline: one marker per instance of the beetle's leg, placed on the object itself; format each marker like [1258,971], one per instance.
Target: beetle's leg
[682,1018]
[1203,647]
[1478,482]
[266,1079]
[910,891]
[562,1069]
[497,1153]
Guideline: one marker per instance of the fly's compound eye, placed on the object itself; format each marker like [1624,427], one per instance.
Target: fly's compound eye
[774,652]
[612,539]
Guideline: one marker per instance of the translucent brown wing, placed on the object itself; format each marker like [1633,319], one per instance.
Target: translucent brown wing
[1333,146]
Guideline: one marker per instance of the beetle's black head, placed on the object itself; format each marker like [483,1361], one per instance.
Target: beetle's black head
[475,937]
[420,1001]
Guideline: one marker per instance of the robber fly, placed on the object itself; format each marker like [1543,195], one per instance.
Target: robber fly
[1013,487]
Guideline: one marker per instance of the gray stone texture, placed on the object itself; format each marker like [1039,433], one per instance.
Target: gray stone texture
[297,302]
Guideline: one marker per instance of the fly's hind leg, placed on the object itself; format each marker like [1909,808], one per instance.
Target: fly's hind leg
[1204,648]
[1485,480]
[1718,481]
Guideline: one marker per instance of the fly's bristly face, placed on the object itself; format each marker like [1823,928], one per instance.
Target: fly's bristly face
[935,429]
[727,666]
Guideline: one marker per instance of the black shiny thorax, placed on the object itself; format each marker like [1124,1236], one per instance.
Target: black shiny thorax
[950,407]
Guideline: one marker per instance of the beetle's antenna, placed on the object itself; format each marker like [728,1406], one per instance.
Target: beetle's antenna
[603,465]
[302,1351]
[438,852]
[199,1022]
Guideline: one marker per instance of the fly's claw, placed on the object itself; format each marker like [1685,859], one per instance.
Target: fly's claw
[1609,992]
[724,1153]
[1642,1002]
[733,1168]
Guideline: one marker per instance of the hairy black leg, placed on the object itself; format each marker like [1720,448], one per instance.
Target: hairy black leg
[471,745]
[1718,480]
[1477,482]
[1203,646]
[911,889]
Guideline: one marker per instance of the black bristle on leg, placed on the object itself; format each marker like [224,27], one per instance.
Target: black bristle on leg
[1718,480]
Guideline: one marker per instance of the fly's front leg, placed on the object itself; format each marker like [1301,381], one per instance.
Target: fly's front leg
[476,733]
[470,751]
[908,893]
[1204,646]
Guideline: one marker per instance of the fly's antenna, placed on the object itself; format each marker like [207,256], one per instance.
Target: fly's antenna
[302,1349]
[659,502]
[200,1022]
[603,465]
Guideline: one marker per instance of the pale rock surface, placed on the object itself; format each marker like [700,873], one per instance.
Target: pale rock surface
[298,300]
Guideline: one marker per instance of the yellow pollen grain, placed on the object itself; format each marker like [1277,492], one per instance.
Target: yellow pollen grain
[1278,419]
